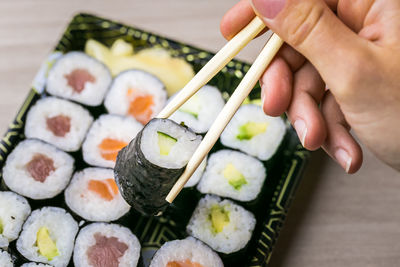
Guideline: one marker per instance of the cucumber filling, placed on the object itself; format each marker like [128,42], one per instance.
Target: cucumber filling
[47,247]
[219,218]
[250,129]
[165,143]
[235,178]
[192,107]
[1,227]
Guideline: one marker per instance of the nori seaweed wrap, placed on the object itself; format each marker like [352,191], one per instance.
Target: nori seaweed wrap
[149,166]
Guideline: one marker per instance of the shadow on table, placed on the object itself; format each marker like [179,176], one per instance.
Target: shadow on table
[299,207]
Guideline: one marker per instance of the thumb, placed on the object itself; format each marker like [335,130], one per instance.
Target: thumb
[311,28]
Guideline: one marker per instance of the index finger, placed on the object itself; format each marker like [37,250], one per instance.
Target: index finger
[236,19]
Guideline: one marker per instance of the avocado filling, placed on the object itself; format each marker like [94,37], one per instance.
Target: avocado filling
[219,218]
[234,176]
[47,247]
[1,227]
[251,129]
[165,143]
[192,107]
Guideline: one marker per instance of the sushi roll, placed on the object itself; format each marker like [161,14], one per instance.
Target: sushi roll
[148,167]
[233,174]
[200,111]
[223,225]
[253,132]
[196,176]
[79,77]
[34,264]
[186,252]
[94,195]
[108,135]
[6,259]
[14,210]
[58,122]
[37,170]
[48,236]
[136,93]
[101,244]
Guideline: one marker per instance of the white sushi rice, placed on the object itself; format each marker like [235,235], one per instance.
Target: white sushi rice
[196,176]
[233,237]
[200,111]
[181,151]
[117,100]
[34,264]
[93,92]
[14,210]
[90,205]
[186,249]
[49,107]
[86,239]
[62,229]
[5,259]
[108,126]
[263,145]
[19,180]
[215,182]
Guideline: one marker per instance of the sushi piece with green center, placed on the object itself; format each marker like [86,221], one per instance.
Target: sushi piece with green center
[47,247]
[149,166]
[251,129]
[234,176]
[220,223]
[200,111]
[219,218]
[165,143]
[253,132]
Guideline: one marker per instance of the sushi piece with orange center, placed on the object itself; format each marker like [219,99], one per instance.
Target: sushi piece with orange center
[140,105]
[186,263]
[110,147]
[136,93]
[106,189]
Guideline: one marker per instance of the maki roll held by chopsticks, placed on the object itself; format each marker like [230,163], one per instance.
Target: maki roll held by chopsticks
[148,167]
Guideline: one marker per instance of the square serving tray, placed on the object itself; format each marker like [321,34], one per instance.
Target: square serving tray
[284,169]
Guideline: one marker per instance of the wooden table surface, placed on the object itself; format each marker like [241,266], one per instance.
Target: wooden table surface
[336,219]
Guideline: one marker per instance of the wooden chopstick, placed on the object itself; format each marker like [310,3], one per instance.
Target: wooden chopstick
[231,49]
[241,92]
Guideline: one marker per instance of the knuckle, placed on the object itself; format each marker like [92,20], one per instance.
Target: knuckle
[362,74]
[303,21]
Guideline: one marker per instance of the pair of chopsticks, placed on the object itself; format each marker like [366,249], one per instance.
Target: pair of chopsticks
[248,82]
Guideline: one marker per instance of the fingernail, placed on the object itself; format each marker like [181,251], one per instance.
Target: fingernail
[262,97]
[268,8]
[343,158]
[301,130]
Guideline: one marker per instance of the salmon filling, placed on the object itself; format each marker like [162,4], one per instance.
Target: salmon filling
[106,189]
[109,148]
[78,78]
[40,167]
[106,252]
[186,263]
[140,106]
[59,125]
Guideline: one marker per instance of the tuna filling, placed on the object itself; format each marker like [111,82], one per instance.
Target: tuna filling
[106,252]
[78,78]
[40,167]
[59,125]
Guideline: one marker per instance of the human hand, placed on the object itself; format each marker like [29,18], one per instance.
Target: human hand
[355,53]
